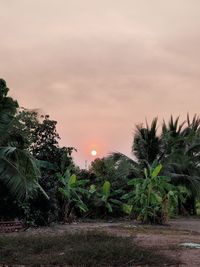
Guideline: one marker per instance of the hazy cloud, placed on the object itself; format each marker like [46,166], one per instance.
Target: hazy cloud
[99,67]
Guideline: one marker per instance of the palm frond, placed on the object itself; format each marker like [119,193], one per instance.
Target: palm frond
[192,183]
[146,143]
[19,171]
[118,156]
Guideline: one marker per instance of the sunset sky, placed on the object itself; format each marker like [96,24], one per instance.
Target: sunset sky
[99,67]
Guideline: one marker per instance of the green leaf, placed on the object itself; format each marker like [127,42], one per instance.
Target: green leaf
[145,173]
[81,190]
[82,182]
[19,171]
[72,179]
[92,188]
[82,206]
[115,201]
[128,195]
[171,193]
[104,198]
[106,189]
[109,207]
[63,191]
[135,181]
[127,208]
[46,165]
[155,198]
[156,171]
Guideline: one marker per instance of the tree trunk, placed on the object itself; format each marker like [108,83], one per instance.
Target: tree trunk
[68,209]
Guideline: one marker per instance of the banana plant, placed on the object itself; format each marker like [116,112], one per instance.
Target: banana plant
[151,197]
[72,191]
[106,198]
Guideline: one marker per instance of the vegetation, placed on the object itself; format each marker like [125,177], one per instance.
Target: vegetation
[105,199]
[72,191]
[151,197]
[40,184]
[18,169]
[78,249]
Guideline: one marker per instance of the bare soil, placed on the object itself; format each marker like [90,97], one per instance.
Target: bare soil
[164,239]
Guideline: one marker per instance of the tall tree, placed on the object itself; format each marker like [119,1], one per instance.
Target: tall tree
[7,104]
[42,142]
[177,148]
[18,170]
[180,145]
[145,148]
[146,143]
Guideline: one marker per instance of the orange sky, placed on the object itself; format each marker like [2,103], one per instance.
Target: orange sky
[98,67]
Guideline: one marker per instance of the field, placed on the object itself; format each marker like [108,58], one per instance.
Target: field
[103,244]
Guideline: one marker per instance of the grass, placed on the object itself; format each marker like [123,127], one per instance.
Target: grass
[79,249]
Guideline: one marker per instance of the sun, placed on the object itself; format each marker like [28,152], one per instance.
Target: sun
[93,152]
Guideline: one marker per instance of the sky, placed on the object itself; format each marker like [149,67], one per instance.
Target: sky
[99,67]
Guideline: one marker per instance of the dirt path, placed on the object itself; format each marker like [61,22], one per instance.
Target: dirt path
[164,239]
[186,224]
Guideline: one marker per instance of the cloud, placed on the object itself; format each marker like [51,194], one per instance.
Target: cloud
[99,67]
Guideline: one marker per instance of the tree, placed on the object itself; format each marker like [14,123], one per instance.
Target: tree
[146,143]
[105,200]
[72,193]
[176,148]
[145,149]
[115,171]
[180,148]
[7,104]
[18,170]
[42,138]
[151,196]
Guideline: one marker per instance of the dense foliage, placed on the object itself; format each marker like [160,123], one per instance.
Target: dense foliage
[40,183]
[152,196]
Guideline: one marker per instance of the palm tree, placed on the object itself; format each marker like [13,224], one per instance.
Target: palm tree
[146,143]
[18,169]
[172,136]
[145,149]
[177,148]
[180,149]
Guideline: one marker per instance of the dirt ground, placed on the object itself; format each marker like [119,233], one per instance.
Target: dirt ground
[164,239]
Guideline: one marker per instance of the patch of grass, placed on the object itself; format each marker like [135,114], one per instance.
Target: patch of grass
[79,249]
